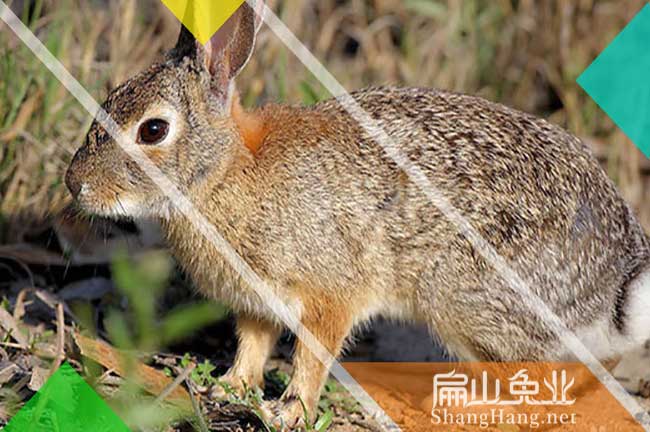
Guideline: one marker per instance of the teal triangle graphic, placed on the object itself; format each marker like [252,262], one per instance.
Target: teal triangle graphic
[66,403]
[619,80]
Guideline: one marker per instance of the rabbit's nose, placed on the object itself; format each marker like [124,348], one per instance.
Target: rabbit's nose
[78,171]
[75,174]
[73,182]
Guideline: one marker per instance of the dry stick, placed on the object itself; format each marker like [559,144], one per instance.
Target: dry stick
[171,387]
[60,340]
[105,375]
[8,322]
[19,308]
[11,345]
[197,409]
[21,384]
[52,301]
[150,379]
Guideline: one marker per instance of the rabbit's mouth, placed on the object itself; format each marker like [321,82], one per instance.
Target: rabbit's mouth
[111,205]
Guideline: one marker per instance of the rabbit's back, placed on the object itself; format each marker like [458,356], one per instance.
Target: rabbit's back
[529,188]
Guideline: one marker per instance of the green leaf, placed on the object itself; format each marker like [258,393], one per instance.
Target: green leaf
[202,374]
[324,421]
[117,326]
[186,360]
[141,281]
[185,320]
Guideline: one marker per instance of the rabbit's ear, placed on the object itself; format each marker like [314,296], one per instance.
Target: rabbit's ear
[186,45]
[228,51]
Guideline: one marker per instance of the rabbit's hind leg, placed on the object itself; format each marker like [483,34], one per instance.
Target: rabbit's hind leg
[330,321]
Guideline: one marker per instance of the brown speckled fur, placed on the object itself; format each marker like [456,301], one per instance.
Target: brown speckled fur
[339,232]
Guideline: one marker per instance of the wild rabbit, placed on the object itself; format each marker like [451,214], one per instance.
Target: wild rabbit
[319,211]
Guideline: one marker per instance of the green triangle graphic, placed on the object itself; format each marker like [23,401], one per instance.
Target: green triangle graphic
[618,80]
[66,403]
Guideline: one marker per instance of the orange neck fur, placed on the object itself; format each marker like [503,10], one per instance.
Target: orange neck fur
[251,126]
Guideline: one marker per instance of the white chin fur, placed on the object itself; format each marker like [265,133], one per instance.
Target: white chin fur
[125,207]
[136,210]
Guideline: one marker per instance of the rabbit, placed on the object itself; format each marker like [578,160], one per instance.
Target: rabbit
[320,212]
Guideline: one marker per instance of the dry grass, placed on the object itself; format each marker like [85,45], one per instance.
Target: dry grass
[524,53]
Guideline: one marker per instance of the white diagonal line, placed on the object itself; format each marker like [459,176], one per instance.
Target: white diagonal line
[187,208]
[373,131]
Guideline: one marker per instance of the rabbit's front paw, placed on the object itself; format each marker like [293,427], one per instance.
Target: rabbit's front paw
[229,385]
[284,414]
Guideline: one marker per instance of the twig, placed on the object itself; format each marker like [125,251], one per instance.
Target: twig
[52,301]
[197,409]
[105,375]
[19,308]
[8,322]
[172,386]
[60,340]
[20,384]
[150,379]
[11,345]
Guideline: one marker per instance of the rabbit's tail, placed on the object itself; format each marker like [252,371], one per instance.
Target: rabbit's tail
[635,326]
[610,337]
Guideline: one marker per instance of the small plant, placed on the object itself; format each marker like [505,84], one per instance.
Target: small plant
[277,379]
[202,374]
[139,328]
[335,395]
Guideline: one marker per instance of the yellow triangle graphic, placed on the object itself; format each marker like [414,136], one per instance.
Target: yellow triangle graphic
[203,17]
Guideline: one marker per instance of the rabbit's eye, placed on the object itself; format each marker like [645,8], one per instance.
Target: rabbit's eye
[153,131]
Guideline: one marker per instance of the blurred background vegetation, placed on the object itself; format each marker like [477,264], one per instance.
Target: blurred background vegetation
[524,53]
